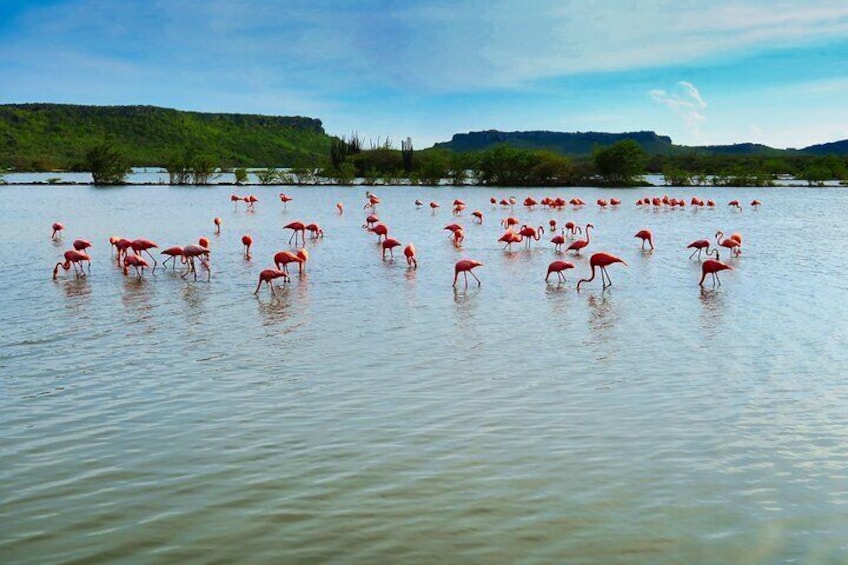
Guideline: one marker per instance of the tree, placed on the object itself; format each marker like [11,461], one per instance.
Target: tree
[241,175]
[621,163]
[107,165]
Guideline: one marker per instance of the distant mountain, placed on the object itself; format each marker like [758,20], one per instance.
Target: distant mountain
[581,144]
[574,144]
[46,136]
[834,148]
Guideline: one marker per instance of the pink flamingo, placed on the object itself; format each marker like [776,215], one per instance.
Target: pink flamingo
[268,275]
[478,216]
[72,258]
[246,241]
[734,244]
[137,263]
[382,231]
[698,245]
[315,231]
[409,253]
[296,227]
[283,258]
[217,225]
[57,230]
[508,238]
[192,252]
[140,246]
[601,260]
[465,267]
[713,267]
[388,245]
[646,236]
[576,246]
[529,233]
[285,199]
[173,253]
[558,267]
[558,241]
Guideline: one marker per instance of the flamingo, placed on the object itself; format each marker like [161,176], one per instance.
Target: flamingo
[283,258]
[510,221]
[713,267]
[72,258]
[602,203]
[217,221]
[370,221]
[137,263]
[558,241]
[122,246]
[190,252]
[82,245]
[558,267]
[645,236]
[508,238]
[576,246]
[285,199]
[530,202]
[315,231]
[173,253]
[573,228]
[57,230]
[458,237]
[465,267]
[251,201]
[235,199]
[247,241]
[698,245]
[458,207]
[734,245]
[409,253]
[418,203]
[552,224]
[433,206]
[529,233]
[389,244]
[373,200]
[340,208]
[296,227]
[268,275]
[203,242]
[601,260]
[735,205]
[382,231]
[755,204]
[140,246]
[478,216]
[615,202]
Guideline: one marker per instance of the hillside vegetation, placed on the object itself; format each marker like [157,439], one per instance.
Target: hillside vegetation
[58,136]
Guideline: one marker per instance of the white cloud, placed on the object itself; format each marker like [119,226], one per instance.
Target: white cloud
[686,103]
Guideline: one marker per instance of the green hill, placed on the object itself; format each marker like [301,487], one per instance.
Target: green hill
[57,136]
[573,144]
[581,144]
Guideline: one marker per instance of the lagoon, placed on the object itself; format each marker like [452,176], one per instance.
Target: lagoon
[371,413]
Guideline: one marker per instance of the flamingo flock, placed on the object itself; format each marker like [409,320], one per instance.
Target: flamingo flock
[129,254]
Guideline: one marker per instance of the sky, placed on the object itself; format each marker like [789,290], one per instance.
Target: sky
[718,72]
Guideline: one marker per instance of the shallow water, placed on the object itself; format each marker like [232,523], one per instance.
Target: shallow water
[372,413]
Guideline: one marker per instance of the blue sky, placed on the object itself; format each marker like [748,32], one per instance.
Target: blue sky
[726,71]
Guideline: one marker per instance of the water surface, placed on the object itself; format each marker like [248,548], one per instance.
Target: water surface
[371,413]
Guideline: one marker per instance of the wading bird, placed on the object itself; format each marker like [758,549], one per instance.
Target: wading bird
[558,267]
[602,261]
[465,266]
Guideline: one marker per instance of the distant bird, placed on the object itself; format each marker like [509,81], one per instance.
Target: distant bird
[72,258]
[388,245]
[217,226]
[409,253]
[173,253]
[647,237]
[285,199]
[755,204]
[602,261]
[699,245]
[558,267]
[733,243]
[192,252]
[713,267]
[57,230]
[246,241]
[382,231]
[478,216]
[140,246]
[465,266]
[315,231]
[576,246]
[297,227]
[340,207]
[135,262]
[268,275]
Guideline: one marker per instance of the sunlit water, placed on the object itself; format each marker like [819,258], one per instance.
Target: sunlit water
[371,413]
